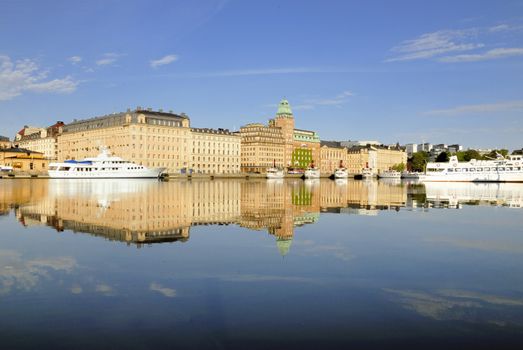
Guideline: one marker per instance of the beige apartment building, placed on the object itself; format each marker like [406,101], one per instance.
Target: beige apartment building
[332,156]
[262,147]
[278,144]
[377,158]
[24,160]
[147,137]
[215,151]
[43,140]
[5,142]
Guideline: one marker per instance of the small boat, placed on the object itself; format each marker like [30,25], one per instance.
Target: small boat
[104,166]
[367,173]
[312,173]
[500,169]
[6,168]
[411,175]
[389,174]
[341,172]
[275,173]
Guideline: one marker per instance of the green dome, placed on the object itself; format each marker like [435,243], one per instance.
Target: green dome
[283,245]
[284,108]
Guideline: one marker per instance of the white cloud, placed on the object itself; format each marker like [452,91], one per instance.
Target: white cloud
[433,44]
[75,59]
[507,106]
[25,75]
[107,59]
[484,56]
[163,61]
[167,292]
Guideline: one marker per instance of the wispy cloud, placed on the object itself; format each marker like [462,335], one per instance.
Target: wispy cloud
[107,59]
[506,106]
[484,56]
[455,46]
[165,291]
[25,75]
[433,44]
[330,101]
[75,59]
[269,71]
[163,61]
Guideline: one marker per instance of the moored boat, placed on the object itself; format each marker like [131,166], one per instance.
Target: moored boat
[389,174]
[341,172]
[312,173]
[275,173]
[103,166]
[367,173]
[500,169]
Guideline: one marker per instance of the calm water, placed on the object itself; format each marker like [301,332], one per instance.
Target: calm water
[260,264]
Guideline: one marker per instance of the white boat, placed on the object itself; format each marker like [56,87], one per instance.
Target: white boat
[6,168]
[103,166]
[411,175]
[498,170]
[312,173]
[341,173]
[275,173]
[367,173]
[389,174]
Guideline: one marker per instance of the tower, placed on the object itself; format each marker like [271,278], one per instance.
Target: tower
[285,120]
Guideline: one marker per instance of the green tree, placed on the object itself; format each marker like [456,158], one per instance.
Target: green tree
[443,157]
[398,167]
[468,155]
[494,153]
[418,161]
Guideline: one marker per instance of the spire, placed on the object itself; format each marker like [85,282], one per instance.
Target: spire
[284,108]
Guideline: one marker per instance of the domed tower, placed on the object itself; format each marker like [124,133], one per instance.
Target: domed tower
[285,120]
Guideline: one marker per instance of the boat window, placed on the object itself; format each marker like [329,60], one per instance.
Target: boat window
[472,169]
[486,169]
[53,167]
[479,169]
[66,168]
[458,170]
[450,170]
[501,169]
[509,168]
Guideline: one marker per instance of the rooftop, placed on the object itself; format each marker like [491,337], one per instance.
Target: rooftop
[284,108]
[19,150]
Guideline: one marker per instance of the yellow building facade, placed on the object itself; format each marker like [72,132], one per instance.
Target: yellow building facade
[377,158]
[215,151]
[23,160]
[332,157]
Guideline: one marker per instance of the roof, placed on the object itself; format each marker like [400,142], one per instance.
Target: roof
[332,144]
[19,150]
[284,108]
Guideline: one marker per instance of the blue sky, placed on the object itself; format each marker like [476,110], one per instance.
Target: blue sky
[407,71]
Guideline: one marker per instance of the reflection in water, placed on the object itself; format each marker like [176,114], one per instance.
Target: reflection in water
[137,211]
[412,275]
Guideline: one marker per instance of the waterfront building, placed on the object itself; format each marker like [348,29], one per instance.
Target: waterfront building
[455,148]
[377,158]
[215,151]
[427,147]
[411,148]
[23,159]
[43,140]
[143,136]
[5,142]
[350,144]
[278,143]
[331,154]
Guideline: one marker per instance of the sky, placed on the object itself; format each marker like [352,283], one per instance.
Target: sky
[394,71]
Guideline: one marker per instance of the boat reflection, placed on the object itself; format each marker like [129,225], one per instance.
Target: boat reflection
[145,212]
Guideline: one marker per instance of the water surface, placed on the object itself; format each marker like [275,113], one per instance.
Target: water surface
[257,264]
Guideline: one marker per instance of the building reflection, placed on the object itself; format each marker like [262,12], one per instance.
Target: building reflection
[146,212]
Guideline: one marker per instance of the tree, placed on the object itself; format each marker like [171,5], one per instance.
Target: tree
[494,153]
[443,157]
[398,167]
[418,161]
[468,155]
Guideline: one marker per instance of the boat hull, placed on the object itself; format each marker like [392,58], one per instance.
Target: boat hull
[137,174]
[312,174]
